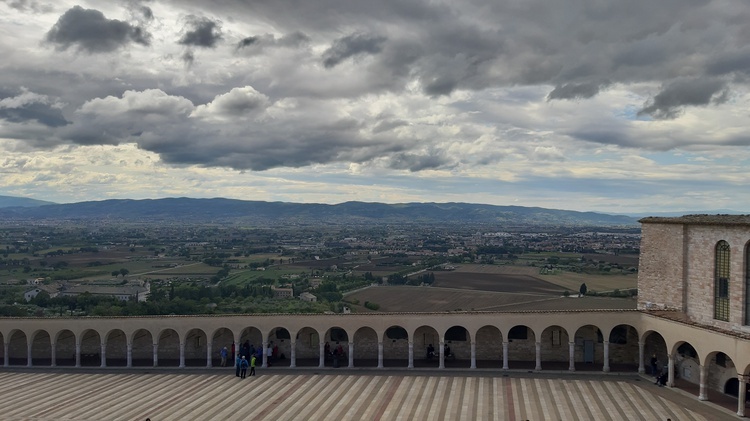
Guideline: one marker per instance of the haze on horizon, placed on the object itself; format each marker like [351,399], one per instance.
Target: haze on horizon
[609,106]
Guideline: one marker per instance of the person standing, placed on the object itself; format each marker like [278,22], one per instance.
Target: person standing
[223,354]
[252,365]
[237,362]
[243,367]
[654,366]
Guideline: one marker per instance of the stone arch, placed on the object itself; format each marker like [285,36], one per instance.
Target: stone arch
[623,348]
[41,348]
[116,351]
[489,347]
[17,347]
[457,340]
[251,340]
[521,347]
[424,336]
[91,348]
[280,340]
[332,338]
[687,362]
[654,346]
[196,348]
[222,337]
[365,347]
[168,348]
[555,341]
[307,347]
[720,368]
[65,348]
[142,342]
[588,348]
[395,346]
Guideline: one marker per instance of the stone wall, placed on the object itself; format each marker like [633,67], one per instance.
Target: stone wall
[661,267]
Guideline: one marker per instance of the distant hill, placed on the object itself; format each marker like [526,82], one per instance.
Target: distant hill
[22,202]
[230,210]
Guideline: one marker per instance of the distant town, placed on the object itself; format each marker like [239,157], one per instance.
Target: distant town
[57,269]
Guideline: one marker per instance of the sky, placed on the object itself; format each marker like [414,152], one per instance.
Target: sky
[591,105]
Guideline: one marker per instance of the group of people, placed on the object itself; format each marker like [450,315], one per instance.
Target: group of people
[242,364]
[431,351]
[337,352]
[661,377]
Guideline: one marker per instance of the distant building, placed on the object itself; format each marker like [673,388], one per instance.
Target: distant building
[122,293]
[33,292]
[282,292]
[306,296]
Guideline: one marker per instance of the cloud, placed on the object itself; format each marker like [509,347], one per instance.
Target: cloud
[29,106]
[90,31]
[575,91]
[350,46]
[201,32]
[668,103]
[237,103]
[259,42]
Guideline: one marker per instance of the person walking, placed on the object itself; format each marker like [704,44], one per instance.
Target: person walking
[252,365]
[243,367]
[223,354]
[237,362]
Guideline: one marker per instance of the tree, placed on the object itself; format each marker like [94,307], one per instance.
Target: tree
[124,272]
[582,290]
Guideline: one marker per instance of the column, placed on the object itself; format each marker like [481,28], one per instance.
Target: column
[641,346]
[702,396]
[473,355]
[606,357]
[538,356]
[380,354]
[741,395]
[53,363]
[572,352]
[6,357]
[182,354]
[156,355]
[411,355]
[505,355]
[209,351]
[293,355]
[103,353]
[265,355]
[322,354]
[78,354]
[130,355]
[441,347]
[351,354]
[28,354]
[670,381]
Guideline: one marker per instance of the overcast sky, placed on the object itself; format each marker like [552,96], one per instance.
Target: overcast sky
[604,105]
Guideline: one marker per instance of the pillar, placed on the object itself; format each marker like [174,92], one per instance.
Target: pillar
[505,355]
[53,363]
[606,357]
[351,354]
[473,355]
[572,353]
[641,347]
[741,394]
[266,345]
[538,356]
[78,354]
[209,351]
[322,353]
[703,383]
[293,355]
[670,365]
[380,354]
[156,355]
[182,354]
[411,355]
[6,357]
[441,347]
[28,353]
[103,353]
[130,354]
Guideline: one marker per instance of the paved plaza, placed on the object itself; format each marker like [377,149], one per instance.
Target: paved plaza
[340,395]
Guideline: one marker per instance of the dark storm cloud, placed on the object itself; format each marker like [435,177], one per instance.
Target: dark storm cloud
[91,31]
[292,40]
[668,103]
[350,46]
[575,91]
[42,113]
[201,32]
[729,62]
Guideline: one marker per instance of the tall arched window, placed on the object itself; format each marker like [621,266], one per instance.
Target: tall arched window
[747,284]
[721,282]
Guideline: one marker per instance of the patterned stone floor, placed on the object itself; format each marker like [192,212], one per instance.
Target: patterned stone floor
[338,396]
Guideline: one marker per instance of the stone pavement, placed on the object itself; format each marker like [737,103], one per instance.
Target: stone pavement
[311,394]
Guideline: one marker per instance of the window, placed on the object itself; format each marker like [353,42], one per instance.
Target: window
[721,282]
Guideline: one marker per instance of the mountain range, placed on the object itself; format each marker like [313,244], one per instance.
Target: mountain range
[232,210]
